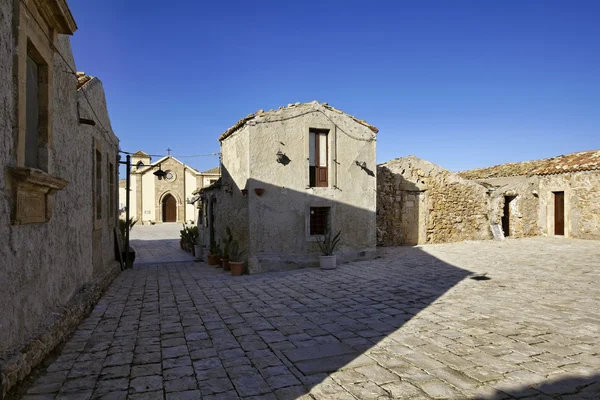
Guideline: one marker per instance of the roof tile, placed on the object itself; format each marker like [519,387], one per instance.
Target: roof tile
[574,162]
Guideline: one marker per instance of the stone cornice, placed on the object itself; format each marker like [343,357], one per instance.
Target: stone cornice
[58,15]
[37,178]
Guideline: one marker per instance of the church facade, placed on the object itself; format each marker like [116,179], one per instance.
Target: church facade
[164,199]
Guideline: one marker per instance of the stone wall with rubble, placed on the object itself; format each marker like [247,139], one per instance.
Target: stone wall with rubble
[419,202]
[582,203]
[523,209]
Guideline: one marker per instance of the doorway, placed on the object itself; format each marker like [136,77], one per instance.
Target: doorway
[506,215]
[559,213]
[169,209]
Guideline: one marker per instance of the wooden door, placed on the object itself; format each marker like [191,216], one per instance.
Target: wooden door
[559,213]
[169,209]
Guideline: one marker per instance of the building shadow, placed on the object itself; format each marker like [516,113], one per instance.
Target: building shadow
[323,321]
[573,387]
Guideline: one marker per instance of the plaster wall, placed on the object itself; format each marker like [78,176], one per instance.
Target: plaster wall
[582,203]
[149,204]
[190,186]
[43,264]
[278,236]
[419,202]
[122,195]
[231,206]
[104,139]
[133,196]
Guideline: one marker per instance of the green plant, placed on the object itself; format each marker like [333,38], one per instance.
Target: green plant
[235,253]
[193,235]
[124,224]
[227,243]
[328,244]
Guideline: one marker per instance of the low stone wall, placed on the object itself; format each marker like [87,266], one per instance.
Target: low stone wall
[15,367]
[419,202]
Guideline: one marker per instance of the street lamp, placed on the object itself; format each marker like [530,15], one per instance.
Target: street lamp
[160,174]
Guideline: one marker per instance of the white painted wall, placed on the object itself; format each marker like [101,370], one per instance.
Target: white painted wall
[190,186]
[148,198]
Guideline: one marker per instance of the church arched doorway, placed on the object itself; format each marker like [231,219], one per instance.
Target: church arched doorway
[169,209]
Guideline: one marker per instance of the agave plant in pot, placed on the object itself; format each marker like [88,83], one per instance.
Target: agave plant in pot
[214,254]
[235,259]
[327,260]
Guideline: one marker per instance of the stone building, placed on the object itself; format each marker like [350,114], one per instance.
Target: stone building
[58,201]
[156,200]
[289,175]
[419,202]
[554,196]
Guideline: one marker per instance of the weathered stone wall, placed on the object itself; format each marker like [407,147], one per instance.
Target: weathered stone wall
[44,264]
[231,206]
[276,221]
[523,209]
[419,202]
[102,135]
[582,203]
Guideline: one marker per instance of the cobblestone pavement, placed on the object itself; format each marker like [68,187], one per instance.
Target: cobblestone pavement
[409,325]
[158,244]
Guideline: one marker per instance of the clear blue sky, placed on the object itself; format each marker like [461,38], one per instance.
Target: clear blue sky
[463,84]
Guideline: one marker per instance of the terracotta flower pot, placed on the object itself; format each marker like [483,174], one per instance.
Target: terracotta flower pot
[213,259]
[236,267]
[225,263]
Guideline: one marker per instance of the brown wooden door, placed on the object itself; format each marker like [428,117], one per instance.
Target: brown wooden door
[559,213]
[169,209]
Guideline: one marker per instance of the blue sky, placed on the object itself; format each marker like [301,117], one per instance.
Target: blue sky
[463,84]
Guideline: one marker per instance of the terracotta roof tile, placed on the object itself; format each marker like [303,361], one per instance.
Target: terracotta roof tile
[260,113]
[581,161]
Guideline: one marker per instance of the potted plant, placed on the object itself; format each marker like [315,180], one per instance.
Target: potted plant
[192,237]
[235,254]
[213,254]
[127,225]
[327,260]
[226,246]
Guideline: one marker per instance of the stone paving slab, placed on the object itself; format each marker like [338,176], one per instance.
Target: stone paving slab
[158,244]
[419,328]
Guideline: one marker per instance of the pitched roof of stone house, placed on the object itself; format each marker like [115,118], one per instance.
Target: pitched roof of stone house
[83,79]
[212,171]
[147,168]
[574,162]
[141,153]
[308,106]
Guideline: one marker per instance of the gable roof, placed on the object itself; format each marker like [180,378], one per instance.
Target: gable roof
[145,168]
[141,153]
[574,162]
[262,113]
[212,171]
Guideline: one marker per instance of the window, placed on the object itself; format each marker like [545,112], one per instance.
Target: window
[319,220]
[212,181]
[32,113]
[98,186]
[111,191]
[318,158]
